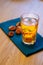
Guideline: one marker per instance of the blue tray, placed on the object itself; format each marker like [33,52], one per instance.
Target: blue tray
[17,39]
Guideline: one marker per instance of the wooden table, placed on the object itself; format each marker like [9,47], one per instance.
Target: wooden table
[9,53]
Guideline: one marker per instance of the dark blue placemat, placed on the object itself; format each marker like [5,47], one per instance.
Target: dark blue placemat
[17,39]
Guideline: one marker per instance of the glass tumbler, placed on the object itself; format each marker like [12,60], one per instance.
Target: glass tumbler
[29,26]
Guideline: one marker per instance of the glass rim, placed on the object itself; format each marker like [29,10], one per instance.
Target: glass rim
[30,15]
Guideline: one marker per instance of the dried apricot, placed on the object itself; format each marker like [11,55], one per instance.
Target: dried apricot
[11,33]
[12,28]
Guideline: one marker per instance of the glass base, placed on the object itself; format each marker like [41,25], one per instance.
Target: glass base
[29,43]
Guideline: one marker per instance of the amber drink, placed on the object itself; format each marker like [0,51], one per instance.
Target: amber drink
[29,26]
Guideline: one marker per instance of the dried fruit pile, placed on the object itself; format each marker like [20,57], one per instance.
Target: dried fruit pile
[16,29]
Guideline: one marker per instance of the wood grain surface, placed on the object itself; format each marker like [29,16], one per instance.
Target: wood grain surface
[9,53]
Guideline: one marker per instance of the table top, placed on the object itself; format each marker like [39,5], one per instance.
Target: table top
[9,53]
